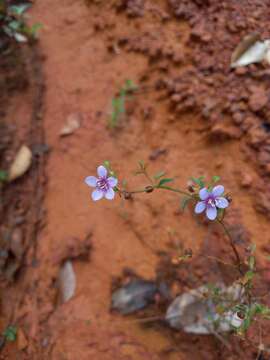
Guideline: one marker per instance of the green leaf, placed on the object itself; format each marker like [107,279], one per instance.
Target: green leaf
[159,175]
[14,25]
[10,333]
[184,202]
[199,181]
[252,248]
[3,175]
[249,275]
[165,181]
[251,262]
[107,164]
[130,85]
[33,30]
[215,179]
[142,165]
[19,9]
[246,323]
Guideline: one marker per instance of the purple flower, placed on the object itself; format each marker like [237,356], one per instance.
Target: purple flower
[103,184]
[211,201]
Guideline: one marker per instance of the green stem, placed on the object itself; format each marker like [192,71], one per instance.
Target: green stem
[237,256]
[137,191]
[174,190]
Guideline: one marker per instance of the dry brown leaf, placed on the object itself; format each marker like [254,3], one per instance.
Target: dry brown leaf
[73,123]
[244,45]
[21,163]
[67,281]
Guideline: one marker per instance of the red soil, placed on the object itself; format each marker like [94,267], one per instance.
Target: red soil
[89,52]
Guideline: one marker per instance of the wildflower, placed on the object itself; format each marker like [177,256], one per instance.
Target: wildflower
[211,201]
[103,184]
[236,320]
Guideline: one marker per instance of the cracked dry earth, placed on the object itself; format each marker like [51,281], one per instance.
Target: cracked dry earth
[193,116]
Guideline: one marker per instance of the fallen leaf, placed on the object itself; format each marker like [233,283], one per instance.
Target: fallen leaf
[244,45]
[250,50]
[21,163]
[73,123]
[67,281]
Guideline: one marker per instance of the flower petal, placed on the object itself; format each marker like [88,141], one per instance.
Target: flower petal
[109,195]
[102,171]
[97,195]
[218,190]
[200,207]
[112,181]
[91,181]
[211,212]
[222,202]
[204,194]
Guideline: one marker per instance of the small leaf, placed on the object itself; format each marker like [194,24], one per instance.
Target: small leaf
[159,175]
[14,25]
[33,30]
[165,181]
[10,333]
[3,175]
[252,248]
[19,9]
[249,275]
[199,181]
[215,179]
[107,164]
[142,165]
[251,262]
[184,202]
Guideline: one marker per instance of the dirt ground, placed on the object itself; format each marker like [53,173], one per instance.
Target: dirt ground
[192,116]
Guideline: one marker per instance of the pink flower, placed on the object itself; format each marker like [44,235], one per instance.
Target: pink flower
[103,184]
[211,201]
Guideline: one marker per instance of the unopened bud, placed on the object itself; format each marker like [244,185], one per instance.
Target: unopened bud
[149,189]
[190,187]
[127,195]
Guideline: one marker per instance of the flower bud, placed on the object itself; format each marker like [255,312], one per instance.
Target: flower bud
[190,187]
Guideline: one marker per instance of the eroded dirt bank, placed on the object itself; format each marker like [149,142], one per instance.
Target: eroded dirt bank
[206,119]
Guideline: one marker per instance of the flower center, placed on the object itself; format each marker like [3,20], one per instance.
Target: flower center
[211,202]
[102,184]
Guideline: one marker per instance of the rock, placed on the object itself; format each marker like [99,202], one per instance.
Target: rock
[72,124]
[195,312]
[22,341]
[256,137]
[221,131]
[262,199]
[200,33]
[246,180]
[155,154]
[134,296]
[241,71]
[258,99]
[238,117]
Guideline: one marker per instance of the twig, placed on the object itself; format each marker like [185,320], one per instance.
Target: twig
[237,256]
